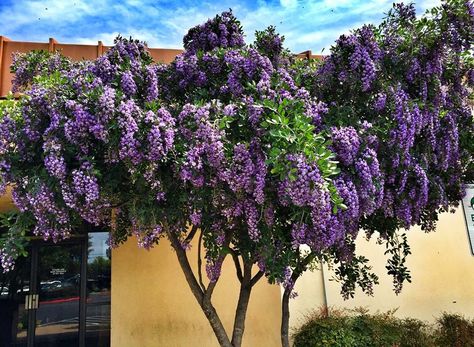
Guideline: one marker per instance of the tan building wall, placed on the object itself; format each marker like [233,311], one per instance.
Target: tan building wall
[152,304]
[442,269]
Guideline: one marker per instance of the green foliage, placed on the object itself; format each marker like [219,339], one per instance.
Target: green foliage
[325,332]
[356,272]
[399,249]
[291,131]
[358,328]
[416,333]
[454,330]
[269,43]
[15,225]
[15,230]
[9,106]
[32,65]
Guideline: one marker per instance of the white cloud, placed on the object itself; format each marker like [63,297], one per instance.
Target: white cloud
[51,11]
[289,3]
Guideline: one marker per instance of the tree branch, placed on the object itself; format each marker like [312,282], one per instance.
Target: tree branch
[120,204]
[301,267]
[210,289]
[184,262]
[200,263]
[238,267]
[256,278]
[285,301]
[285,318]
[206,305]
[212,285]
[191,234]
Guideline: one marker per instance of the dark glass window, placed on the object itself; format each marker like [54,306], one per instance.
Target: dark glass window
[98,290]
[14,286]
[49,281]
[59,283]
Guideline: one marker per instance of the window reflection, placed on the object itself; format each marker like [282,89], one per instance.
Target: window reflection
[14,285]
[57,317]
[98,290]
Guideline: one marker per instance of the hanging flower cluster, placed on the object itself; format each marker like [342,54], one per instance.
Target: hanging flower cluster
[262,152]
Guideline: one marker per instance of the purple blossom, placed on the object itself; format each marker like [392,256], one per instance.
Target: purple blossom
[128,84]
[346,144]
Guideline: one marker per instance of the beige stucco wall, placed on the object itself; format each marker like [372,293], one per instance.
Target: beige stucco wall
[152,305]
[442,268]
[310,296]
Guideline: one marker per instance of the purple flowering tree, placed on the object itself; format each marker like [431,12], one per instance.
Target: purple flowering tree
[248,153]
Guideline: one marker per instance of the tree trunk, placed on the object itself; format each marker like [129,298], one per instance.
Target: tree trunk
[285,300]
[216,324]
[242,306]
[203,300]
[285,318]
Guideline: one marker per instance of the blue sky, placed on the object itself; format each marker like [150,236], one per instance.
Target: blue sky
[306,24]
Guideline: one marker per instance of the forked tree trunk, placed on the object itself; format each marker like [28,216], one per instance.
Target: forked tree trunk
[203,296]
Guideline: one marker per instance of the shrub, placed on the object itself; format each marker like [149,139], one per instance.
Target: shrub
[375,330]
[321,330]
[454,330]
[358,328]
[415,333]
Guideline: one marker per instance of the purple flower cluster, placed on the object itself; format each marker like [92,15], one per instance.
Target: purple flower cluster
[54,161]
[222,31]
[52,221]
[161,136]
[128,84]
[371,180]
[7,261]
[364,56]
[248,170]
[73,131]
[308,191]
[190,73]
[148,236]
[204,148]
[213,269]
[346,144]
[421,108]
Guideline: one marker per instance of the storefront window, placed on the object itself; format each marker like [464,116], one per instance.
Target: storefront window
[98,290]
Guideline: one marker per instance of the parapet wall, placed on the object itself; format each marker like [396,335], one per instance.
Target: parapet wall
[75,52]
